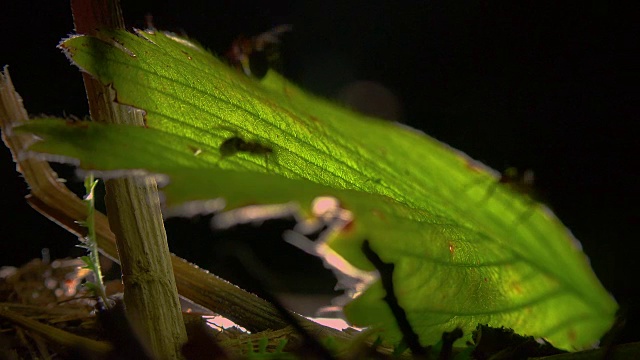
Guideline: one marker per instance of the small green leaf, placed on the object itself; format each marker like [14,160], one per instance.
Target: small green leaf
[91,287]
[87,262]
[460,258]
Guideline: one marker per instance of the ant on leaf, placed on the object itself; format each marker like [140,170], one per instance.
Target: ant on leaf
[518,182]
[236,144]
[521,182]
[253,55]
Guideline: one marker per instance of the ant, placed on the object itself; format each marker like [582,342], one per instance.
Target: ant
[519,182]
[235,144]
[252,55]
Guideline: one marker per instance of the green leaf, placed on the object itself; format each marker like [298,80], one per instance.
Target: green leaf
[460,257]
[87,262]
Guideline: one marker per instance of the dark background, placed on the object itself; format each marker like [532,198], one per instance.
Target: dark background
[543,85]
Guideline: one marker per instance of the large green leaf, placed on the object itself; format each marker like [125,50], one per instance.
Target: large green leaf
[466,250]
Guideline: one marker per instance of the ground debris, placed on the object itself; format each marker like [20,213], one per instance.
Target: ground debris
[41,303]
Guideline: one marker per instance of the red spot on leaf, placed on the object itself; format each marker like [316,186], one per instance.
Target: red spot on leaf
[347,227]
[379,214]
[516,287]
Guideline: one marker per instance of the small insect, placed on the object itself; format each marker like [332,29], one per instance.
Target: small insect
[254,55]
[515,181]
[235,144]
[521,182]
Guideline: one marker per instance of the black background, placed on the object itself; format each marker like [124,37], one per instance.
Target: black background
[544,85]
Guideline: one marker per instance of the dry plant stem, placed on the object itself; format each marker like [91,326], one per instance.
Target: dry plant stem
[42,180]
[55,335]
[53,200]
[150,292]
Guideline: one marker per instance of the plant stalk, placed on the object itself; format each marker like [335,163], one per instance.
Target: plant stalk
[92,260]
[134,213]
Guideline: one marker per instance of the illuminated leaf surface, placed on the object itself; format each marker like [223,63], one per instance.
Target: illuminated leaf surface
[461,257]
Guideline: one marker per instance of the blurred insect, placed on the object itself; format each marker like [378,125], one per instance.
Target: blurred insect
[235,144]
[521,182]
[254,55]
[518,182]
[148,21]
